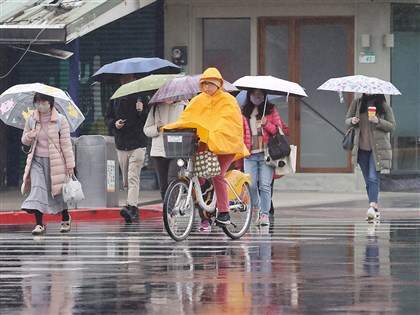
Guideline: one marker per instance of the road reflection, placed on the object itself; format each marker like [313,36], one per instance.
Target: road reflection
[293,267]
[49,286]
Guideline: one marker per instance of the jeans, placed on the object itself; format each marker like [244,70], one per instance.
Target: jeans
[262,174]
[370,174]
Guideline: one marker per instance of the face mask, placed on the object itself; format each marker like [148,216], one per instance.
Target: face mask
[256,100]
[43,108]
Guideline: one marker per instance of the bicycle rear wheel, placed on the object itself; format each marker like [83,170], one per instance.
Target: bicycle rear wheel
[240,217]
[178,214]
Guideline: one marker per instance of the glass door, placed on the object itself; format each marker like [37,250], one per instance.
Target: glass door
[309,51]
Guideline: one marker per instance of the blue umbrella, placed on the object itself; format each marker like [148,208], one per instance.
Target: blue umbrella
[140,67]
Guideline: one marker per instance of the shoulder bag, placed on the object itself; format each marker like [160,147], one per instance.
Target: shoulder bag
[348,140]
[278,146]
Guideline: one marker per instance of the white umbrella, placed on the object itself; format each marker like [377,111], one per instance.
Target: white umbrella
[16,104]
[359,84]
[270,84]
[241,97]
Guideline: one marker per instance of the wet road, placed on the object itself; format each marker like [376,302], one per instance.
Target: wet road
[316,266]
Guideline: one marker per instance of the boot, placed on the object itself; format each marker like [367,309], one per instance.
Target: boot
[134,214]
[125,212]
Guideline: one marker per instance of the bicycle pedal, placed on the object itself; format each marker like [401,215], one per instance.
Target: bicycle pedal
[222,225]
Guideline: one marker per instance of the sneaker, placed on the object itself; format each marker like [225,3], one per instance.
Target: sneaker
[264,220]
[125,212]
[207,191]
[38,230]
[205,225]
[372,214]
[223,218]
[264,229]
[65,226]
[255,215]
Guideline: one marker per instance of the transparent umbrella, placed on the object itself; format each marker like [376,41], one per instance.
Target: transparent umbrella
[16,104]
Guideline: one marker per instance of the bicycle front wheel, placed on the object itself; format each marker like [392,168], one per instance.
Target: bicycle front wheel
[240,214]
[178,213]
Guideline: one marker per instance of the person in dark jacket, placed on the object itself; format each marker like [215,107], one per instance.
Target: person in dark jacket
[126,118]
[373,120]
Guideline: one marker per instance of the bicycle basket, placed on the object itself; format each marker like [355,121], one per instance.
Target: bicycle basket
[180,143]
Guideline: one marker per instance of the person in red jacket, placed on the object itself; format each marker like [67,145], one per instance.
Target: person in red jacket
[260,120]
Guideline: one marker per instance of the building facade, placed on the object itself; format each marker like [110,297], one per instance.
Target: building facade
[309,42]
[306,42]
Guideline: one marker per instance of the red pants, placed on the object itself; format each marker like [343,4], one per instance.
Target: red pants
[219,182]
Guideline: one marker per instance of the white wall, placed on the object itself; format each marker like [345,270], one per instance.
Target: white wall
[183,25]
[373,19]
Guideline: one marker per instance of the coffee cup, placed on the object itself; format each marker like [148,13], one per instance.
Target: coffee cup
[371,111]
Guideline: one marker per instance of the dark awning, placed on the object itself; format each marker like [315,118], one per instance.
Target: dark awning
[59,21]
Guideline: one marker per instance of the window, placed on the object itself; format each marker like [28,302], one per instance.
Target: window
[405,74]
[227,46]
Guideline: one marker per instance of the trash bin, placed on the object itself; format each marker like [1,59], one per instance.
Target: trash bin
[97,170]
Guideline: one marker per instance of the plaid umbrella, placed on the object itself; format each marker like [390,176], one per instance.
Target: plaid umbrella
[16,104]
[184,88]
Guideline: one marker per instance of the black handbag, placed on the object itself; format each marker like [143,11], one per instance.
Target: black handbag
[348,140]
[278,145]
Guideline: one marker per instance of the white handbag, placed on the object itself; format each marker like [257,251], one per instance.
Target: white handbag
[289,166]
[72,190]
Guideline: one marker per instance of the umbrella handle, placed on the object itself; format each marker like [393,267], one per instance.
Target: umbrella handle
[265,105]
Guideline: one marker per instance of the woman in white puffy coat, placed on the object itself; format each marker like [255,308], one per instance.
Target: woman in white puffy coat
[50,159]
[161,114]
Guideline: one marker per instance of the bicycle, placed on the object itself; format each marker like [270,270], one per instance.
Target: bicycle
[185,192]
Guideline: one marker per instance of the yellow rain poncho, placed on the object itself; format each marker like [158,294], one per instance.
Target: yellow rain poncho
[218,119]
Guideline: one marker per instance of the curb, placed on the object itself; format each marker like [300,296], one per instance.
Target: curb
[88,214]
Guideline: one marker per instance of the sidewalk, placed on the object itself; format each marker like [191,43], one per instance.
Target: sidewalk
[11,200]
[289,203]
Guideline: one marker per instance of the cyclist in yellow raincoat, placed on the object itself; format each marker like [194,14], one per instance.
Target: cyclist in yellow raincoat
[218,119]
